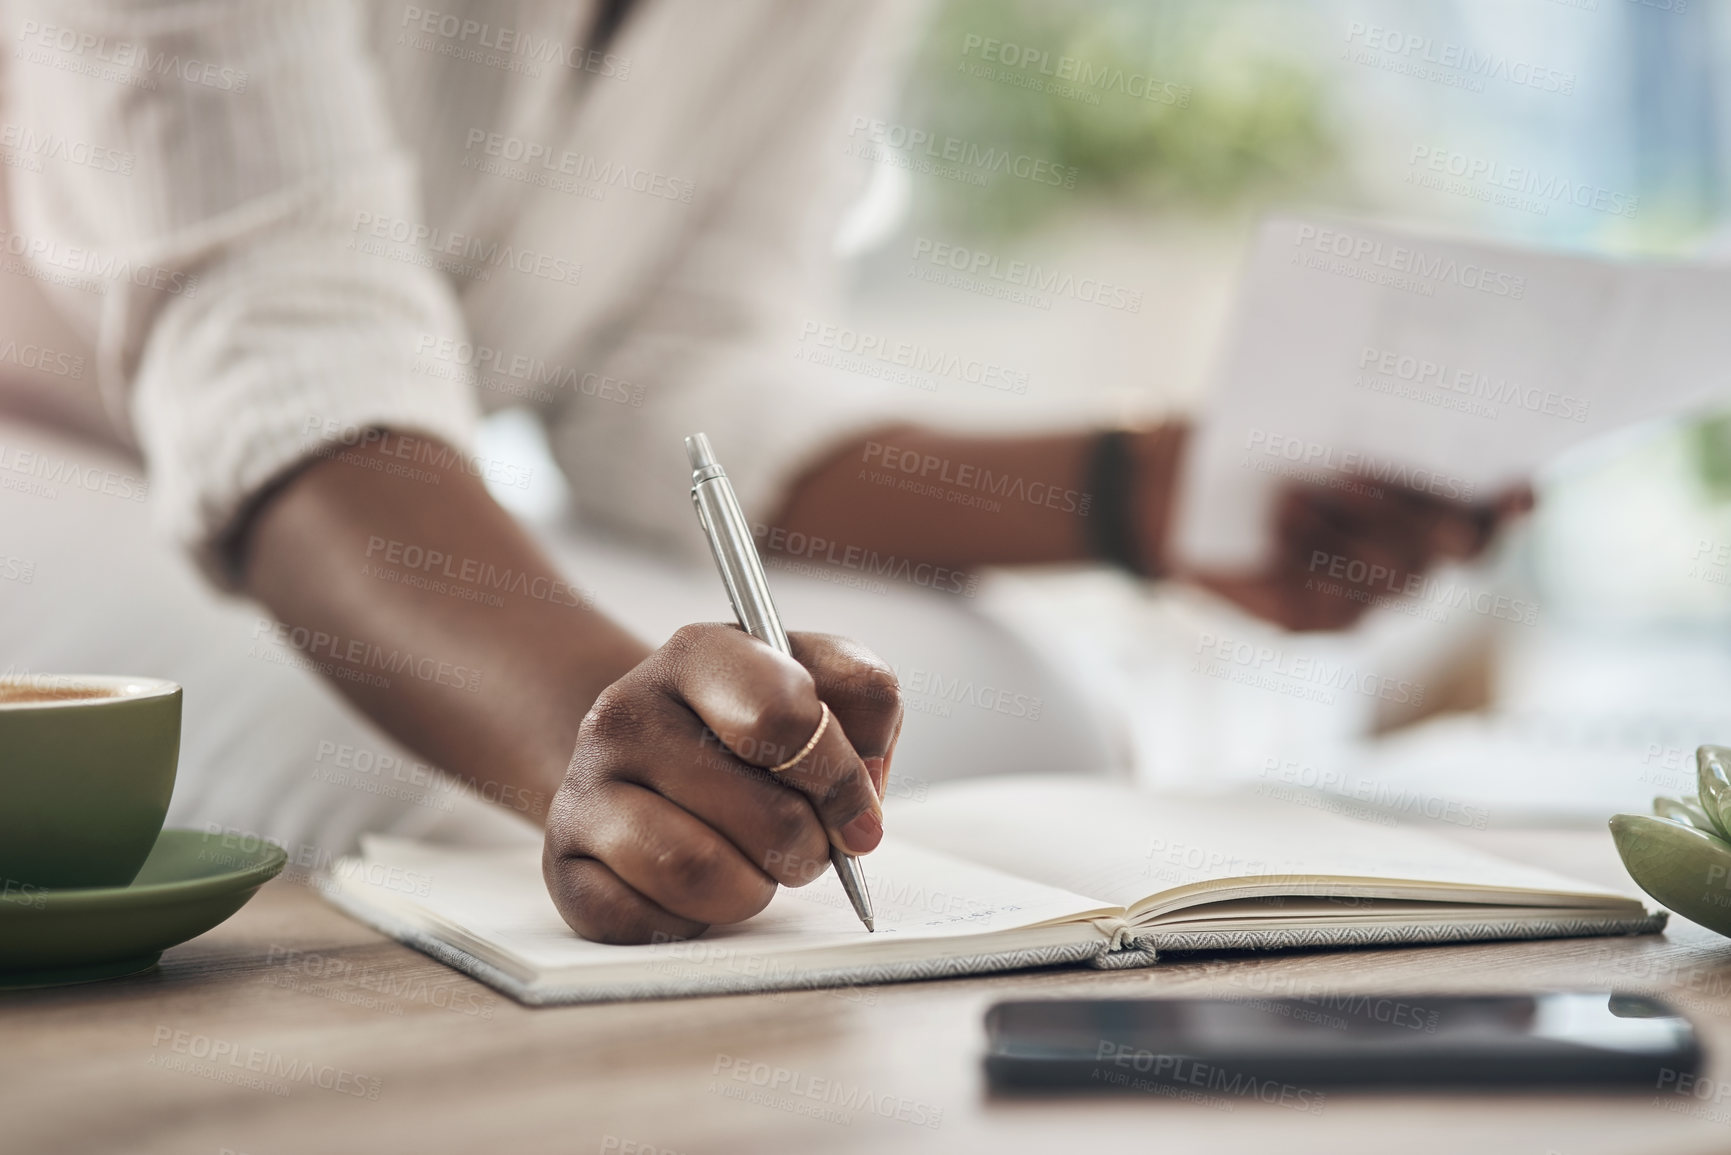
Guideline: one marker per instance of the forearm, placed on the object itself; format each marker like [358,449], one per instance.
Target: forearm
[961,502]
[391,567]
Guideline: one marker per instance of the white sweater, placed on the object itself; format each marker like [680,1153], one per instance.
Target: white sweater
[304,219]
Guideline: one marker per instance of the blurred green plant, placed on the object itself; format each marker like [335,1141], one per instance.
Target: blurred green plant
[1710,438]
[1232,117]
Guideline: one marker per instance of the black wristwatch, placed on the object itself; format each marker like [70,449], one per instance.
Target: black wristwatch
[1113,535]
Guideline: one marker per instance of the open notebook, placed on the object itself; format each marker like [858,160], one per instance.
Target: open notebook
[994,875]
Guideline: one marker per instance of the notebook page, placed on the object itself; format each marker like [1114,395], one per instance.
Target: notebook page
[1124,845]
[498,897]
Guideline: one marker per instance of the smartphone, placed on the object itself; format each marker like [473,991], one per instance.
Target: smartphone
[1290,1047]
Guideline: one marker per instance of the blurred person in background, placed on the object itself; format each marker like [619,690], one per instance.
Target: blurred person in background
[295,248]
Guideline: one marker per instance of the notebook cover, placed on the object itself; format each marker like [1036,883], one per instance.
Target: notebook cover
[1404,934]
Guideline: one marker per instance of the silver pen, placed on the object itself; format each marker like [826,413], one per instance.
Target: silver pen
[748,589]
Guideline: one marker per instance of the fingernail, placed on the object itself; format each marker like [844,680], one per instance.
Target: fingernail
[876,767]
[890,754]
[862,835]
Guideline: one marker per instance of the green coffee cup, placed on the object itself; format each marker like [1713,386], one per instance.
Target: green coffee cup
[86,769]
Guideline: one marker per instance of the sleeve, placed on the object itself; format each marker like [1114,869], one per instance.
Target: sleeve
[719,346]
[215,248]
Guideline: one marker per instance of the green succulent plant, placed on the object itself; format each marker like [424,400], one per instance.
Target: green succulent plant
[1681,853]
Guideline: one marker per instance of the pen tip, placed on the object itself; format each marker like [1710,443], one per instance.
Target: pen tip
[871,926]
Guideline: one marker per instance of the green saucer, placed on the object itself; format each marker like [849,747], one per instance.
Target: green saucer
[191,882]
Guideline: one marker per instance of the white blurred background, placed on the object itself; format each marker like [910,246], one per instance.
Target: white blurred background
[1593,707]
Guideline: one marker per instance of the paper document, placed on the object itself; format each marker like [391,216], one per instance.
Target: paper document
[1359,356]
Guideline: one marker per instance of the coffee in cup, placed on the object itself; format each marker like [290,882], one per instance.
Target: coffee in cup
[15,691]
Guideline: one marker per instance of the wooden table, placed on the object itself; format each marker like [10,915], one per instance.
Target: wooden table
[292,1029]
